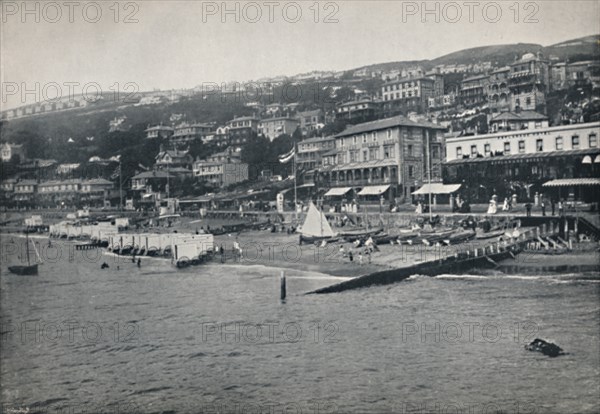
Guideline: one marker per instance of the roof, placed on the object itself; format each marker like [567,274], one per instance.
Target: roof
[472,78]
[316,139]
[26,182]
[337,191]
[152,174]
[308,113]
[280,118]
[437,188]
[409,79]
[60,182]
[159,127]
[243,118]
[173,154]
[572,182]
[521,157]
[519,116]
[374,190]
[98,181]
[386,123]
[365,164]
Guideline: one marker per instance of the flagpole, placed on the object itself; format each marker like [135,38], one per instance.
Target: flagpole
[120,186]
[295,187]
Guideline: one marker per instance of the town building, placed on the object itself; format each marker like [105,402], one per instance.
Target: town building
[309,154]
[498,94]
[529,83]
[516,121]
[159,131]
[310,121]
[172,159]
[151,181]
[221,169]
[242,129]
[388,157]
[360,110]
[25,191]
[274,127]
[521,162]
[186,133]
[407,95]
[474,90]
[8,151]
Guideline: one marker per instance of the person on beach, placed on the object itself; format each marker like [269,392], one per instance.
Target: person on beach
[553,205]
[505,205]
[528,208]
[543,206]
[139,262]
[560,208]
[350,256]
[360,258]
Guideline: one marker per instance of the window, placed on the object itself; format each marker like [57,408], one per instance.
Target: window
[374,137]
[373,154]
[410,150]
[559,143]
[487,149]
[389,133]
[538,124]
[593,140]
[364,138]
[411,171]
[458,152]
[354,140]
[388,151]
[352,156]
[575,142]
[473,150]
[365,155]
[506,148]
[521,147]
[539,145]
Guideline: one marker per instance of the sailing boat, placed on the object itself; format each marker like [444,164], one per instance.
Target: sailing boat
[30,269]
[316,228]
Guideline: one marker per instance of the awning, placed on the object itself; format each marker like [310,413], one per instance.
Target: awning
[337,191]
[572,182]
[437,188]
[374,190]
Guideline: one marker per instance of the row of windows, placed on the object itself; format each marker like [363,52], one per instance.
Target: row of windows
[539,146]
[397,86]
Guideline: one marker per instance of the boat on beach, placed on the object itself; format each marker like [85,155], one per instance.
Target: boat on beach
[316,228]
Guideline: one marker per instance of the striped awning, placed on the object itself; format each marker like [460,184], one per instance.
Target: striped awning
[572,182]
[337,191]
[374,190]
[437,188]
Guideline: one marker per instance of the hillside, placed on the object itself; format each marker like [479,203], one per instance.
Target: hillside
[501,55]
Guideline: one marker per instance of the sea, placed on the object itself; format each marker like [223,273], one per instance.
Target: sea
[219,339]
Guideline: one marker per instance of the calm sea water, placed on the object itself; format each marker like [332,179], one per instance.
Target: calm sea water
[217,339]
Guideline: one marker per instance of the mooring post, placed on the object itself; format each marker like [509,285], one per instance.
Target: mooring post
[282,291]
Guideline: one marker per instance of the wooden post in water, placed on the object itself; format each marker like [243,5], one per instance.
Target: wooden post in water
[282,290]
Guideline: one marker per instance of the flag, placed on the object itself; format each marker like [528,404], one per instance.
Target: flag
[288,156]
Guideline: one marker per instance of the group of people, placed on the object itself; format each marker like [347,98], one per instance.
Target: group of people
[560,206]
[365,250]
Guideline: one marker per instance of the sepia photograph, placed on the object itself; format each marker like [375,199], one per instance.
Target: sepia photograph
[299,207]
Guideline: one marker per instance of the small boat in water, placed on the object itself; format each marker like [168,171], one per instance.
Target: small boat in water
[490,234]
[29,269]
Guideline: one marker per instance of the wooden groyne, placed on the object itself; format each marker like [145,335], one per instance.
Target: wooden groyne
[459,262]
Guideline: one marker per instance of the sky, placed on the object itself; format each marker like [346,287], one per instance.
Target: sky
[182,44]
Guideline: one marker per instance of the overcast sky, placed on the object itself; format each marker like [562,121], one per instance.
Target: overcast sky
[180,44]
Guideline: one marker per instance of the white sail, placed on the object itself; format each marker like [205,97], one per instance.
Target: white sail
[316,224]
